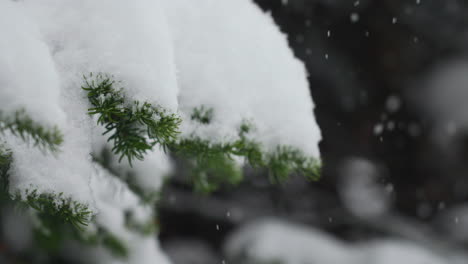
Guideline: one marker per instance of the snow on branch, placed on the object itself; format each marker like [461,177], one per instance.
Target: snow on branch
[20,124]
[237,69]
[135,127]
[214,163]
[57,206]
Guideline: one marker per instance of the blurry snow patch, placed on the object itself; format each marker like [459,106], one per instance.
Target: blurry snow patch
[248,72]
[454,222]
[145,250]
[446,92]
[360,190]
[273,241]
[354,17]
[395,251]
[443,100]
[393,103]
[378,129]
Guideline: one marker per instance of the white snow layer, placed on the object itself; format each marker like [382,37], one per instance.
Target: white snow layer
[231,57]
[273,241]
[28,78]
[128,39]
[178,54]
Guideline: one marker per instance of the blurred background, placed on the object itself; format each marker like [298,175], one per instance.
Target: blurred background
[389,79]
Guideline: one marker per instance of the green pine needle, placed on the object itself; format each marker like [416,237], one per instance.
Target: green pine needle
[5,162]
[20,124]
[203,115]
[56,206]
[134,128]
[288,160]
[213,164]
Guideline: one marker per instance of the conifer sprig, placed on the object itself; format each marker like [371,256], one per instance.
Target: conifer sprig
[213,163]
[5,162]
[287,160]
[56,206]
[203,114]
[20,124]
[134,127]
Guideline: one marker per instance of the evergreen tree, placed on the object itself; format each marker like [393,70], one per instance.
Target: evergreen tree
[84,160]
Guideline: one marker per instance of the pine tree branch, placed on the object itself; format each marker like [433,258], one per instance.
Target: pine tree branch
[20,124]
[203,115]
[5,163]
[56,206]
[287,160]
[59,218]
[135,127]
[213,163]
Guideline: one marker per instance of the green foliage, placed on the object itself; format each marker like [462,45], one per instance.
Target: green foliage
[5,162]
[134,127]
[57,217]
[203,115]
[20,124]
[213,163]
[52,232]
[209,174]
[61,219]
[56,206]
[288,160]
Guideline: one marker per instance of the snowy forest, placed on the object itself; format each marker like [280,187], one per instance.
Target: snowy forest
[233,132]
